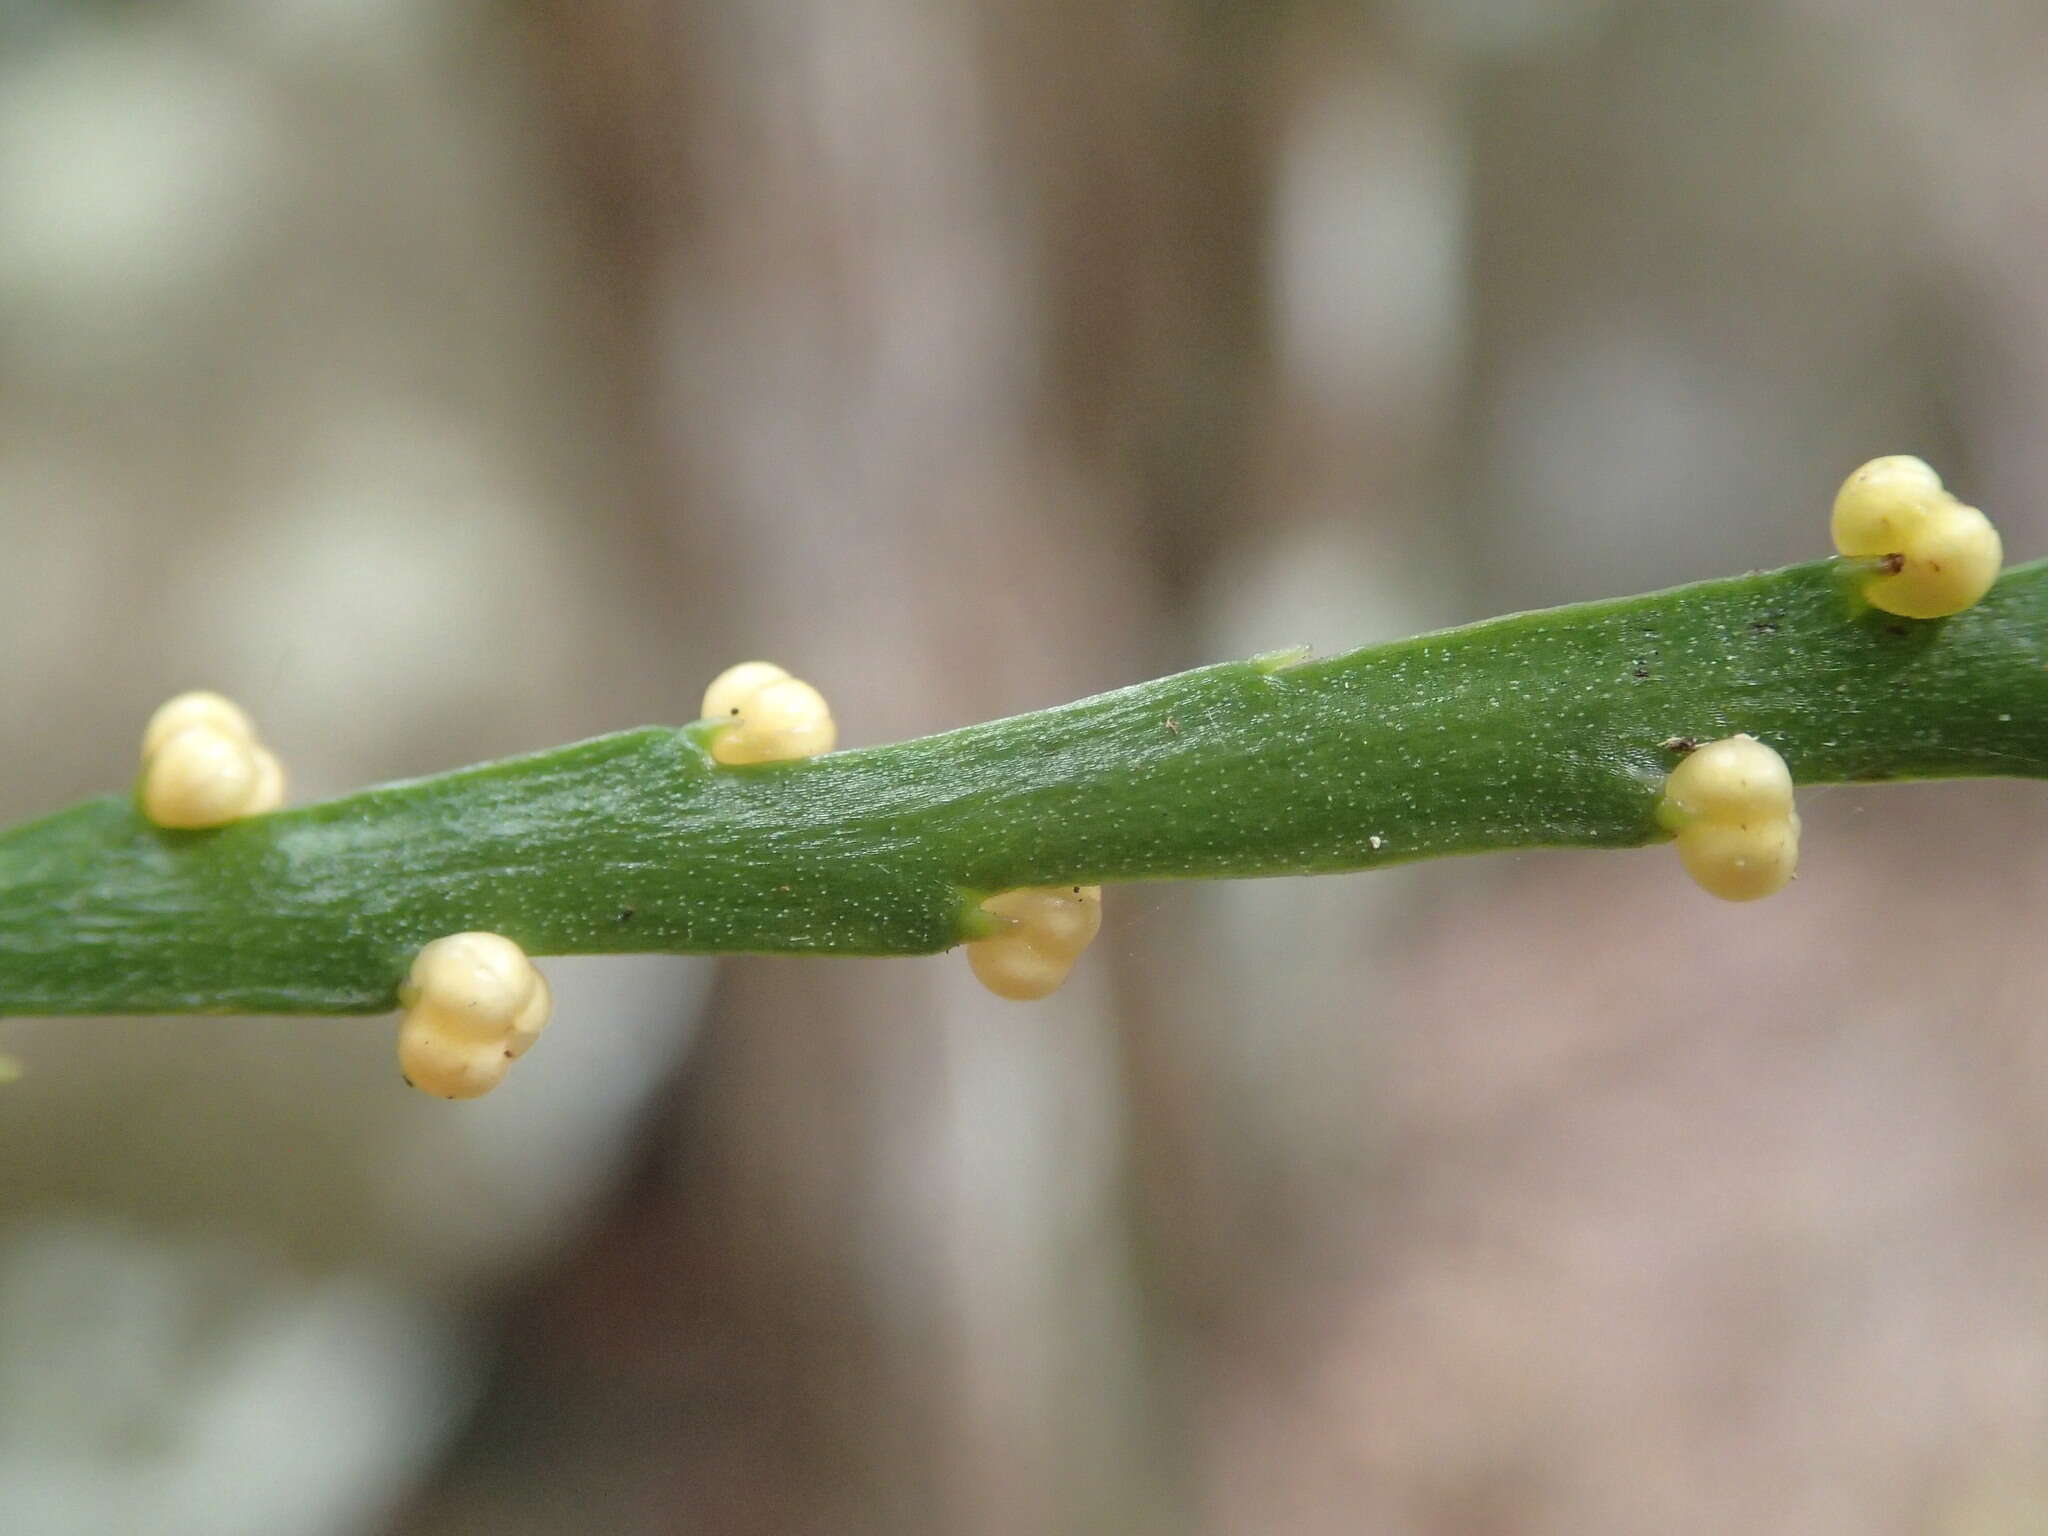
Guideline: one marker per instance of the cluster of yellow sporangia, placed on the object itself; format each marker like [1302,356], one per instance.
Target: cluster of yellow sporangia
[766,716]
[1730,803]
[1935,556]
[763,715]
[1042,931]
[202,765]
[1925,556]
[473,1005]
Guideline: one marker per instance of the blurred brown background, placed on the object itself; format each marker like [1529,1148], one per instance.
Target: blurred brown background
[446,379]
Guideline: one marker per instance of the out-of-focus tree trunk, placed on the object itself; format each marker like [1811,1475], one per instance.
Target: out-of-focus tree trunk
[924,304]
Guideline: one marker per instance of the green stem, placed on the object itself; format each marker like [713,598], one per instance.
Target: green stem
[1538,730]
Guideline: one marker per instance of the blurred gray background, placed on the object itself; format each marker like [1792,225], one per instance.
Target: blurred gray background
[445,379]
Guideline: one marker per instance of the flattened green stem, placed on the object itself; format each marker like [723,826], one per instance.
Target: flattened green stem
[1537,730]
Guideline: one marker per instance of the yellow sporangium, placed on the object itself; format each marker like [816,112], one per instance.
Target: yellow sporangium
[1044,929]
[1730,804]
[199,707]
[202,765]
[767,716]
[474,1004]
[1937,556]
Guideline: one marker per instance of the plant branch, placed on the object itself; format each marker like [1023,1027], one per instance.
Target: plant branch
[1537,730]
